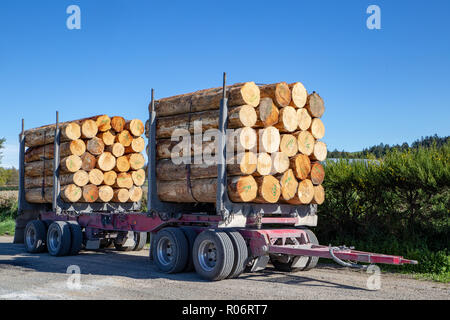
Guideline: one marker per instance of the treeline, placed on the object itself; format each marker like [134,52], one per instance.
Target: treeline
[8,176]
[382,149]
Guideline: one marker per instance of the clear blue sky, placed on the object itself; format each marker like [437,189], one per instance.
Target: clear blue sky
[390,85]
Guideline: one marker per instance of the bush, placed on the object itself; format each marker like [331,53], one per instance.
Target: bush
[398,205]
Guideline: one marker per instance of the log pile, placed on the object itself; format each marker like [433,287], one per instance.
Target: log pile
[101,161]
[273,153]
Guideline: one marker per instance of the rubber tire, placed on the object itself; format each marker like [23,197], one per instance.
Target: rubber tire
[312,263]
[179,241]
[76,238]
[141,240]
[240,253]
[225,255]
[64,229]
[287,266]
[190,235]
[40,230]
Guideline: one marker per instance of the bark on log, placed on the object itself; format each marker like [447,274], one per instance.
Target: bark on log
[69,193]
[301,165]
[278,92]
[287,120]
[315,105]
[68,164]
[76,147]
[46,134]
[305,142]
[240,189]
[269,189]
[80,178]
[288,145]
[240,94]
[299,95]
[242,116]
[304,119]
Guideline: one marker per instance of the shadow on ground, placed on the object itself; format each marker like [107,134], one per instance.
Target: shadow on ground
[109,262]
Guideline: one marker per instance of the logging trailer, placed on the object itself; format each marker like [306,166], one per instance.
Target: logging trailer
[220,240]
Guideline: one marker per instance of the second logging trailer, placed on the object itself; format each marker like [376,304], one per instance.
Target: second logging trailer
[218,241]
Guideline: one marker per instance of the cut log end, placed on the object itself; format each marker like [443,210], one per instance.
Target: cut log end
[270,139]
[320,151]
[242,189]
[121,195]
[269,189]
[106,161]
[315,105]
[303,119]
[289,145]
[299,95]
[305,142]
[289,185]
[317,128]
[103,123]
[301,166]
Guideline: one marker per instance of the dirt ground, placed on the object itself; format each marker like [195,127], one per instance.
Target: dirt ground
[108,274]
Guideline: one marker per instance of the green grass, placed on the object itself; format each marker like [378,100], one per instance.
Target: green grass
[7,227]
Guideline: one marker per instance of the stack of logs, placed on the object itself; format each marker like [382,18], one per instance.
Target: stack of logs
[101,161]
[276,158]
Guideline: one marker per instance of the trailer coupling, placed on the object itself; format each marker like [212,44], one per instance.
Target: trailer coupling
[339,254]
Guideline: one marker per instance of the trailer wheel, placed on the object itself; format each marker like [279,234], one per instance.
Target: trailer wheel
[120,246]
[59,238]
[312,260]
[240,254]
[213,255]
[284,263]
[76,238]
[35,236]
[141,239]
[170,251]
[106,243]
[191,235]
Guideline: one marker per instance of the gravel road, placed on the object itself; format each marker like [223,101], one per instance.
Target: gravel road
[108,274]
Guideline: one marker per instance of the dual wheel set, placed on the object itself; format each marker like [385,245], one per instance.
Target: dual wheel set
[214,254]
[62,238]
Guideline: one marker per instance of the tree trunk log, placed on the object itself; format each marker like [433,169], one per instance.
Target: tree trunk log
[136,146]
[287,120]
[239,94]
[136,160]
[264,164]
[317,128]
[103,123]
[304,194]
[88,161]
[122,164]
[123,180]
[89,129]
[299,95]
[138,177]
[80,178]
[117,149]
[303,119]
[118,123]
[320,151]
[317,173]
[105,194]
[46,134]
[269,189]
[121,195]
[269,140]
[135,194]
[301,165]
[45,152]
[69,193]
[125,138]
[280,162]
[315,105]
[96,177]
[95,146]
[267,112]
[278,92]
[319,195]
[109,178]
[135,127]
[106,161]
[108,137]
[305,142]
[288,145]
[289,184]
[90,193]
[68,164]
